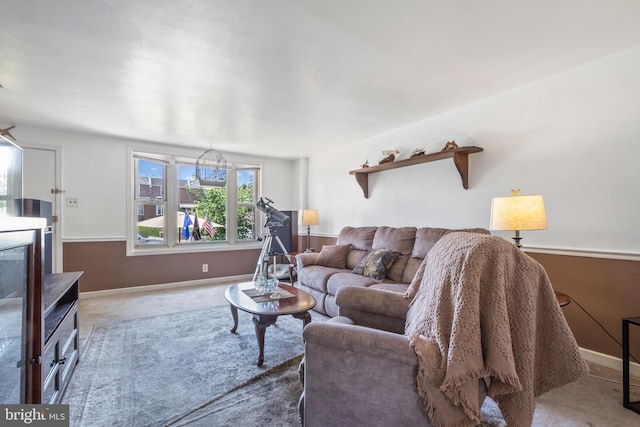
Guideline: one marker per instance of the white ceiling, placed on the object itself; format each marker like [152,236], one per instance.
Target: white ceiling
[285,78]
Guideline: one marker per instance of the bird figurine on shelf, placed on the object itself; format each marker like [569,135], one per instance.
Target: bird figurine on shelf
[365,164]
[390,156]
[450,146]
[417,152]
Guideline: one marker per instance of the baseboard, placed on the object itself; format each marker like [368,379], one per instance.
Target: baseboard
[609,361]
[166,286]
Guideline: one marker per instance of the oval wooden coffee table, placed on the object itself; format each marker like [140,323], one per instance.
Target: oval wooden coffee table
[265,310]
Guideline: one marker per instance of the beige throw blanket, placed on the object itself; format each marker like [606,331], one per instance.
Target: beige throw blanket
[484,308]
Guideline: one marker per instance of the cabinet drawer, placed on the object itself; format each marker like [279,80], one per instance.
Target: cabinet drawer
[50,360]
[69,351]
[67,327]
[51,387]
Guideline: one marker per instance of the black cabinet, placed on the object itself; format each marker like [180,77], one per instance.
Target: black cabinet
[61,339]
[626,394]
[288,234]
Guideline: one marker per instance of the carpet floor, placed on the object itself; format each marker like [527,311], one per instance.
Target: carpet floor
[153,371]
[187,369]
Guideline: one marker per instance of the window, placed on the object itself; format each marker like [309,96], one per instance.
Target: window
[166,193]
[159,208]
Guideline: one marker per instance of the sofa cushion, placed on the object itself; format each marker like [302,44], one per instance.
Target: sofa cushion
[399,239]
[400,288]
[333,256]
[359,237]
[339,280]
[376,263]
[410,269]
[354,257]
[395,239]
[426,237]
[415,282]
[316,276]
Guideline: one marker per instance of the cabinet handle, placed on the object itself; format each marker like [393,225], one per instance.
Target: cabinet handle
[61,361]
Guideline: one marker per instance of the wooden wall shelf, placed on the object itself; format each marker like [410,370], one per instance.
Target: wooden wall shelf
[460,158]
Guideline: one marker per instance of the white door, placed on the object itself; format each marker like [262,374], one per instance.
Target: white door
[40,178]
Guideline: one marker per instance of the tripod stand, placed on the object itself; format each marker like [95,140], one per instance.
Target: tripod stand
[267,250]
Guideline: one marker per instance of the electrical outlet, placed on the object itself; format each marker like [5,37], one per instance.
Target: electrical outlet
[205,268]
[72,202]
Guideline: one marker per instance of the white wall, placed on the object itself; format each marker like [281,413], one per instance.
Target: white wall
[94,170]
[573,137]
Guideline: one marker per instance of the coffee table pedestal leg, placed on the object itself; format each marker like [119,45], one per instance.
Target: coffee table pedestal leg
[234,314]
[305,317]
[261,323]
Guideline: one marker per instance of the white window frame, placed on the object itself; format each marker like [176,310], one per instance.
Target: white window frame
[171,193]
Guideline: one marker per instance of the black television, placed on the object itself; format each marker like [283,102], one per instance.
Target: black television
[10,178]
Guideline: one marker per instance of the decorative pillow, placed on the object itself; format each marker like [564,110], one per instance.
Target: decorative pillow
[333,256]
[376,263]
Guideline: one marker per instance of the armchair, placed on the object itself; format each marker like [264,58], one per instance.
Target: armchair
[472,329]
[359,368]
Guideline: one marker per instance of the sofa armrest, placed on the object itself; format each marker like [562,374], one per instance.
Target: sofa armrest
[359,376]
[354,338]
[374,308]
[305,259]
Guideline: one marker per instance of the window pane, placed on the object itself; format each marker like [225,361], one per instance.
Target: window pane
[150,194]
[246,205]
[150,226]
[246,223]
[150,179]
[210,205]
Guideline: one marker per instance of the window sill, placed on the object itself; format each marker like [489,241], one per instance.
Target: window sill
[191,248]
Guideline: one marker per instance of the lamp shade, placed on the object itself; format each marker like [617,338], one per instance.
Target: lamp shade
[310,217]
[518,213]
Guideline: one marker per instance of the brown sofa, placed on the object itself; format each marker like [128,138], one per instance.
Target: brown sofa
[321,274]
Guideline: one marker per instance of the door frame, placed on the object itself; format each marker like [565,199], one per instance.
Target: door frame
[57,206]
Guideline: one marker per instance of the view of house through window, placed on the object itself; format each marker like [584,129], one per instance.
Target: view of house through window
[173,210]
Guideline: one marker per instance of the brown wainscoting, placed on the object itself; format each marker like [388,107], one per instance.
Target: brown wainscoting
[316,242]
[106,265]
[608,289]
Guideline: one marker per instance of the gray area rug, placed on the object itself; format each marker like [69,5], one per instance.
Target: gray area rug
[158,370]
[187,369]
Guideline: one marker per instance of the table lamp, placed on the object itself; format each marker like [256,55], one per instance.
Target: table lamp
[310,217]
[518,213]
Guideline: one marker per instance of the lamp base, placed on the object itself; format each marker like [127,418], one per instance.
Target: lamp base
[517,239]
[308,240]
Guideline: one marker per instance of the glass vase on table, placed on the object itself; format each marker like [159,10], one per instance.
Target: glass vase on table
[275,294]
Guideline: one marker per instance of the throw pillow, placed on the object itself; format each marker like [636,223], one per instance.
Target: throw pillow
[333,256]
[376,263]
